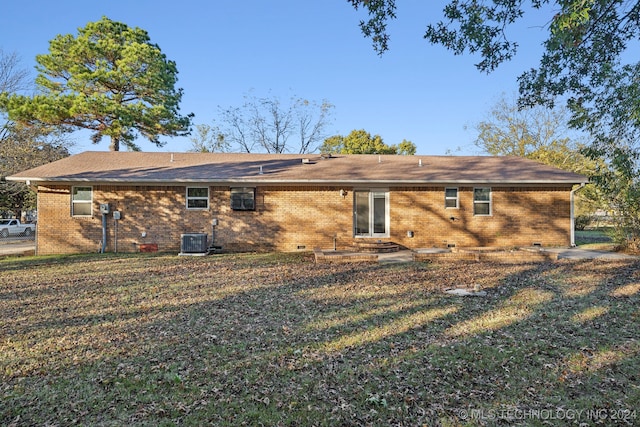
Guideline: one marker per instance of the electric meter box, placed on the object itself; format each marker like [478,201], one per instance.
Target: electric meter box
[104,208]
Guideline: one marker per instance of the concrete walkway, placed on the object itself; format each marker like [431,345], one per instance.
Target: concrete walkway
[395,257]
[21,247]
[563,253]
[17,247]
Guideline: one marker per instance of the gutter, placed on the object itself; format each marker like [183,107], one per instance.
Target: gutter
[573,218]
[293,182]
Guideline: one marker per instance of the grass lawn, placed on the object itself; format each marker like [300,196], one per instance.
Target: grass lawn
[277,340]
[595,239]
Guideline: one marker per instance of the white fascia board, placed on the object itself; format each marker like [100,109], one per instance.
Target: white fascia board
[258,182]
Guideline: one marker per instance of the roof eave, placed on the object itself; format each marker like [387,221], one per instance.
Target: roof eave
[262,181]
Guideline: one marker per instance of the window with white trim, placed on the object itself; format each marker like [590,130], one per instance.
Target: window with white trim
[451,198]
[371,213]
[82,201]
[243,199]
[197,197]
[482,201]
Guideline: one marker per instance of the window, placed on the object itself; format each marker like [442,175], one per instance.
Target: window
[451,198]
[197,197]
[81,201]
[243,199]
[482,201]
[371,215]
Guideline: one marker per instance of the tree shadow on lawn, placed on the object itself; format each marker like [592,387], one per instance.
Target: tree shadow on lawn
[560,335]
[299,344]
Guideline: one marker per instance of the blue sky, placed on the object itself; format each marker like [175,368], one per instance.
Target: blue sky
[225,49]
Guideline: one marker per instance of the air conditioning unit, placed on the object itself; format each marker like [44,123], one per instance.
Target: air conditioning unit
[193,243]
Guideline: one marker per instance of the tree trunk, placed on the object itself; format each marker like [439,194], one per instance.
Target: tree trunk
[115,144]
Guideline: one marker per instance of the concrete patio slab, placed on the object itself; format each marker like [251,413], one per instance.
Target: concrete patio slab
[578,253]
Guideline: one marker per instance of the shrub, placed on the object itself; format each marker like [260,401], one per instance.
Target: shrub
[582,221]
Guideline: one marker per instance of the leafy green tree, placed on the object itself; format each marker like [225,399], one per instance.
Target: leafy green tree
[22,147]
[109,79]
[361,142]
[583,62]
[333,144]
[540,134]
[406,148]
[605,27]
[622,191]
[537,133]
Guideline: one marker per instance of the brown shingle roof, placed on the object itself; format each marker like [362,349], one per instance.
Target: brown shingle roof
[225,168]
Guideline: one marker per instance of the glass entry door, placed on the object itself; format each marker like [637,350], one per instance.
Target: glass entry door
[371,213]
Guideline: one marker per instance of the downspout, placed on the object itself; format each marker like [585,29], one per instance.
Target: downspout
[573,217]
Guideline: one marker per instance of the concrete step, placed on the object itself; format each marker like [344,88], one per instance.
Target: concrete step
[377,247]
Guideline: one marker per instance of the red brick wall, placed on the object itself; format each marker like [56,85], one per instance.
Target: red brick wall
[299,218]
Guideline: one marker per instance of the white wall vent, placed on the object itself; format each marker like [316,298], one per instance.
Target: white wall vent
[193,243]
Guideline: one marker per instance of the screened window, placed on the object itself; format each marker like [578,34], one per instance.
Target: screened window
[482,201]
[243,199]
[82,201]
[197,197]
[451,198]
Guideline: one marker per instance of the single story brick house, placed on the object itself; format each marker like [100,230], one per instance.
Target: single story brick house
[119,201]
